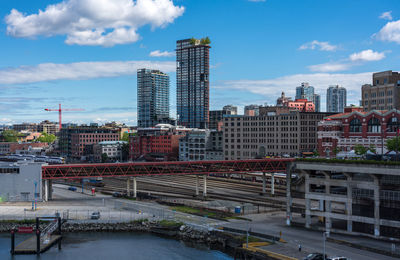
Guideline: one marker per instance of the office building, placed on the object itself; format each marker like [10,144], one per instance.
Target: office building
[192,82]
[305,91]
[217,115]
[152,97]
[384,93]
[336,99]
[252,110]
[200,145]
[280,133]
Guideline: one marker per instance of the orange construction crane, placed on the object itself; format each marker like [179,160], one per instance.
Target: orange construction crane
[60,110]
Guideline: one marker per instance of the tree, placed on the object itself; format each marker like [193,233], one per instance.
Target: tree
[10,136]
[316,153]
[336,150]
[393,144]
[360,149]
[125,137]
[125,152]
[104,157]
[205,40]
[46,138]
[372,148]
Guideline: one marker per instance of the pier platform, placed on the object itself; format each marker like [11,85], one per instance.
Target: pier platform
[29,246]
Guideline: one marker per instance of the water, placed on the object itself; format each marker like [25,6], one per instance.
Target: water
[116,246]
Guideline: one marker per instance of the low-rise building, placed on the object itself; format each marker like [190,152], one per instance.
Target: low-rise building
[113,150]
[161,141]
[12,147]
[200,145]
[342,132]
[21,181]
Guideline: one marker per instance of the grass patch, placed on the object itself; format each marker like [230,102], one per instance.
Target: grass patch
[195,211]
[237,217]
[139,221]
[251,239]
[170,223]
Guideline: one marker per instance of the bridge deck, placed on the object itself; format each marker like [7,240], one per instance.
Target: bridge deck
[28,246]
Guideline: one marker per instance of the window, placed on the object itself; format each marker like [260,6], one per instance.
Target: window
[393,124]
[355,126]
[374,125]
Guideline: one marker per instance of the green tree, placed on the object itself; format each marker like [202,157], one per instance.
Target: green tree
[125,137]
[360,149]
[393,144]
[10,136]
[316,153]
[336,150]
[104,157]
[372,148]
[125,152]
[46,138]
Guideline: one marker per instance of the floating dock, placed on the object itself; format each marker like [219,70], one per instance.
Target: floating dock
[29,246]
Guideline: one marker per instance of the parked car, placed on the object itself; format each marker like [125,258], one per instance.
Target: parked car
[315,256]
[72,188]
[117,194]
[337,258]
[95,215]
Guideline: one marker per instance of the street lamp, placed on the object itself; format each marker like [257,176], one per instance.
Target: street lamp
[325,235]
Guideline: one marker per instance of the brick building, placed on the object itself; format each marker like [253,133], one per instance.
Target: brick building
[341,132]
[11,147]
[161,141]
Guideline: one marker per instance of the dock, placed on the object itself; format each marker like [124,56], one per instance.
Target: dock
[29,246]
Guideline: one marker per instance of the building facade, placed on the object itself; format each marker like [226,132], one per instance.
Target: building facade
[161,141]
[270,134]
[113,150]
[305,91]
[342,132]
[217,115]
[11,147]
[200,145]
[336,99]
[384,93]
[252,110]
[152,97]
[192,82]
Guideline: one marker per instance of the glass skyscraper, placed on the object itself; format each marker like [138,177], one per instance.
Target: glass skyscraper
[192,82]
[336,98]
[305,91]
[152,97]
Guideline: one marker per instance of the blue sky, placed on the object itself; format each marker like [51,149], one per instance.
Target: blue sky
[84,53]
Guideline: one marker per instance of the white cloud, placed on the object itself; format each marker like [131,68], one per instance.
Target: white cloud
[78,71]
[158,53]
[390,32]
[94,22]
[367,55]
[322,46]
[271,88]
[386,16]
[330,67]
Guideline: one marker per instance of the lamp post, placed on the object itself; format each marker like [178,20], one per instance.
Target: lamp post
[325,235]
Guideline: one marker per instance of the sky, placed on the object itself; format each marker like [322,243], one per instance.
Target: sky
[85,53]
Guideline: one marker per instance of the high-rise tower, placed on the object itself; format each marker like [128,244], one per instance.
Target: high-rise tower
[192,82]
[336,99]
[305,91]
[153,97]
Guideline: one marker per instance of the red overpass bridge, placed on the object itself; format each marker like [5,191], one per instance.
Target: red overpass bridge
[105,170]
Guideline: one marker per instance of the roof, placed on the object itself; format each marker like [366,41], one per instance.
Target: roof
[363,114]
[112,142]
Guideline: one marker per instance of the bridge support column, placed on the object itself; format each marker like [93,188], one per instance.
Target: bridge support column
[376,206]
[46,190]
[289,195]
[197,185]
[128,187]
[272,184]
[50,189]
[308,201]
[134,187]
[205,186]
[263,183]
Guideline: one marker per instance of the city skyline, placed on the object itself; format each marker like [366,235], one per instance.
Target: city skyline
[95,66]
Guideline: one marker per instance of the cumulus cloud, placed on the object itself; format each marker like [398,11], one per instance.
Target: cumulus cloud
[158,53]
[78,71]
[94,22]
[367,55]
[330,67]
[386,16]
[390,32]
[272,88]
[317,45]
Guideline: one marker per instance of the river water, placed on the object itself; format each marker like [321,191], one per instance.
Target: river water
[116,246]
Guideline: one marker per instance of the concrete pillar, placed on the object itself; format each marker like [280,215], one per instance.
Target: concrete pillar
[376,206]
[308,201]
[205,186]
[272,184]
[128,187]
[349,203]
[134,187]
[263,183]
[46,190]
[50,189]
[328,203]
[288,194]
[197,185]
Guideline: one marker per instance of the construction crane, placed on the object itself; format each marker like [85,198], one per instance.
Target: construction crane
[60,110]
